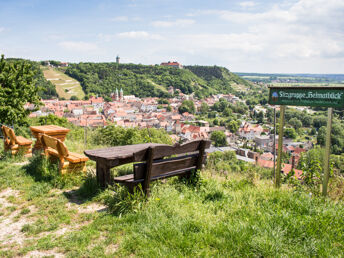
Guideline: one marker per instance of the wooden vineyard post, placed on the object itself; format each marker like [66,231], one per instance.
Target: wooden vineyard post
[280,148]
[327,152]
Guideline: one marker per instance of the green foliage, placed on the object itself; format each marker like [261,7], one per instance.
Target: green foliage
[53,120]
[204,108]
[43,170]
[337,137]
[233,126]
[17,81]
[120,201]
[289,133]
[296,123]
[116,136]
[219,138]
[147,80]
[187,106]
[311,164]
[74,98]
[46,89]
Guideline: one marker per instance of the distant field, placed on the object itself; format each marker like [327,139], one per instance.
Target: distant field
[66,86]
[307,84]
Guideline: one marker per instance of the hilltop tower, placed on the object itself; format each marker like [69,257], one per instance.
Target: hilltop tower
[117,59]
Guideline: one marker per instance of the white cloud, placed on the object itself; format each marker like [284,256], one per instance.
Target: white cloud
[305,29]
[139,35]
[78,46]
[247,4]
[119,19]
[2,29]
[176,23]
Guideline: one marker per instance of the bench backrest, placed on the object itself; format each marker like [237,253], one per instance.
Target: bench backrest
[56,144]
[9,135]
[191,156]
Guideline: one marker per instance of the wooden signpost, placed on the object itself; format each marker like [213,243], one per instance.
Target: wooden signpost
[306,96]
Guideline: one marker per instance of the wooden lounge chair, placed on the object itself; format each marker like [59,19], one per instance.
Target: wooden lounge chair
[68,161]
[16,144]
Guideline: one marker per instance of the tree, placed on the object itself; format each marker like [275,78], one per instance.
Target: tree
[290,133]
[233,126]
[204,108]
[337,138]
[296,123]
[74,97]
[17,81]
[260,117]
[219,138]
[187,106]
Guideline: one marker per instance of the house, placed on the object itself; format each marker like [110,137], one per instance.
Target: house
[172,64]
[249,132]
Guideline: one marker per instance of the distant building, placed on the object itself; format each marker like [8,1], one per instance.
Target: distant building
[172,64]
[117,59]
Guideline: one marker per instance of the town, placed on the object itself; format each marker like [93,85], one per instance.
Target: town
[251,142]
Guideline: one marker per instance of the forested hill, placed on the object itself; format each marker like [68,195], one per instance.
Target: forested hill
[149,80]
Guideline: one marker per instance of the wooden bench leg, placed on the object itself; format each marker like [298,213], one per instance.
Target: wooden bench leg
[103,174]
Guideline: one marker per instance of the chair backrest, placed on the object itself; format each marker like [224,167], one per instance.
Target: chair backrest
[191,156]
[9,135]
[56,144]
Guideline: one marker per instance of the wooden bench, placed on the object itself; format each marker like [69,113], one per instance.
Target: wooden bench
[15,144]
[68,161]
[190,157]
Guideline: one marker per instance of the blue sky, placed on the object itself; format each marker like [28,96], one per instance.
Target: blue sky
[299,36]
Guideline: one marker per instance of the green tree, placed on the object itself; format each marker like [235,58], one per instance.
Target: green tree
[17,87]
[290,133]
[218,138]
[187,106]
[74,97]
[296,123]
[233,126]
[204,108]
[337,138]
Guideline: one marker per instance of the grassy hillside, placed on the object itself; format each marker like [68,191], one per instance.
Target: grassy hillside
[231,209]
[224,214]
[66,86]
[147,80]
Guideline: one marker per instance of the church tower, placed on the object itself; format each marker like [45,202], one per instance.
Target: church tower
[117,59]
[121,95]
[116,95]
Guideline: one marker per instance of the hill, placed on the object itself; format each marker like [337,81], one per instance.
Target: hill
[66,87]
[148,80]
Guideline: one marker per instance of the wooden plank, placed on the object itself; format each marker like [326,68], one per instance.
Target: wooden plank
[202,147]
[327,152]
[167,150]
[280,148]
[139,168]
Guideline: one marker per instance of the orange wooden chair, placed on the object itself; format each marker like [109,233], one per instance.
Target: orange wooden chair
[14,143]
[68,161]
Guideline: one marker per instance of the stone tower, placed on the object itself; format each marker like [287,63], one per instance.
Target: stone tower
[116,95]
[121,95]
[117,59]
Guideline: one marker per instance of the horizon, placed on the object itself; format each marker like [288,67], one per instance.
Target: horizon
[276,37]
